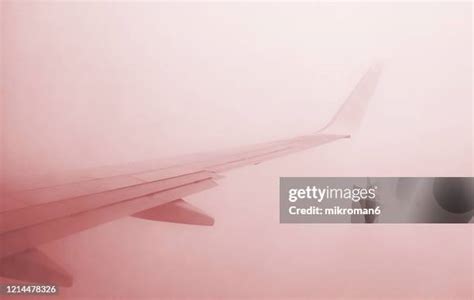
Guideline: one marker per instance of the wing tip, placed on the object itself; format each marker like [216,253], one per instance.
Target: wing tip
[349,116]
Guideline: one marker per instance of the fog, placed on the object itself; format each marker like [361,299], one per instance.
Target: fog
[90,84]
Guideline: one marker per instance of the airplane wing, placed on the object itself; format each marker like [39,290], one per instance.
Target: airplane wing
[39,212]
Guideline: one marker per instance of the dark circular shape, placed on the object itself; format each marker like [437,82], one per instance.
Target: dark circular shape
[454,194]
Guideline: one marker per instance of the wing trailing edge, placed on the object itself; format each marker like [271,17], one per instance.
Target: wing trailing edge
[19,240]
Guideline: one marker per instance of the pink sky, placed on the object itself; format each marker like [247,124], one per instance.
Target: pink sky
[89,84]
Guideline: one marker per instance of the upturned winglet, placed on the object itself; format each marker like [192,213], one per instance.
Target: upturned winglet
[350,114]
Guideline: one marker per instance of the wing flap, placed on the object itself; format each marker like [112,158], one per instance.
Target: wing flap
[177,211]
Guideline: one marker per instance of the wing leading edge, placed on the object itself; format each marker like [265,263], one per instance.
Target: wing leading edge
[144,190]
